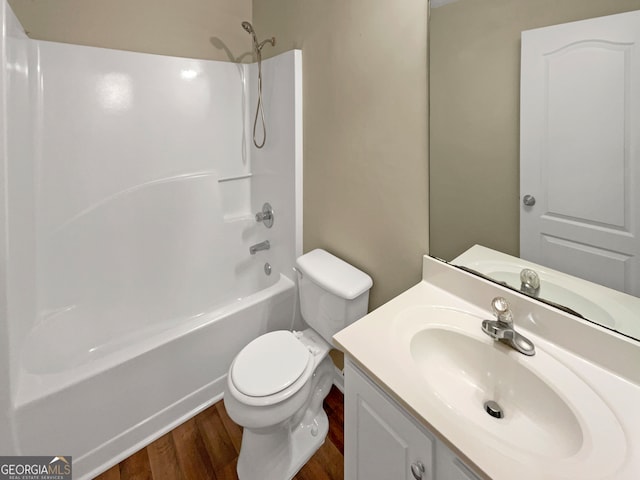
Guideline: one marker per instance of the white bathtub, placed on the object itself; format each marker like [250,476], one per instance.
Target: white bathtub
[137,388]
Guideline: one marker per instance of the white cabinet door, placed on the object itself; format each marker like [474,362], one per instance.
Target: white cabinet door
[580,149]
[450,467]
[381,441]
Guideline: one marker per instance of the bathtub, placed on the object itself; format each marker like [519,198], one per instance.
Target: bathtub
[107,405]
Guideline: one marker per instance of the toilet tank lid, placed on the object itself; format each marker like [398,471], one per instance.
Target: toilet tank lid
[333,274]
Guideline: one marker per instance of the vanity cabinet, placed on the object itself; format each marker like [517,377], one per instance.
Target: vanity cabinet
[383,442]
[450,467]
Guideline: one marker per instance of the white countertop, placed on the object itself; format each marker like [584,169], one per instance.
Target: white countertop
[608,363]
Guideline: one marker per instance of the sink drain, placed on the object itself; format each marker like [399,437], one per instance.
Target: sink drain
[493,409]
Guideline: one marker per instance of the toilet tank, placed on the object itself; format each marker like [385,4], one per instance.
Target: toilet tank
[333,293]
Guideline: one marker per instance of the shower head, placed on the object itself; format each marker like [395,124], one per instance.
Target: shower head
[248,27]
[258,46]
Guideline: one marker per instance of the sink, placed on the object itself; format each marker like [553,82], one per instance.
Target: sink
[465,372]
[548,409]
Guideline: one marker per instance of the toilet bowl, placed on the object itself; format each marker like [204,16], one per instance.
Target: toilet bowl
[277,383]
[282,429]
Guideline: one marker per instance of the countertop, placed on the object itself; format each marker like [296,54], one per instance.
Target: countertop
[608,363]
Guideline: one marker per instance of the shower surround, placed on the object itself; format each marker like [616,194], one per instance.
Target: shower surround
[131,185]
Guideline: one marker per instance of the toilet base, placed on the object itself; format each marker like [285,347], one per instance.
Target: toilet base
[280,451]
[281,459]
[306,440]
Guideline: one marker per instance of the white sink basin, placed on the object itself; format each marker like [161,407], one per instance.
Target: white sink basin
[465,373]
[548,410]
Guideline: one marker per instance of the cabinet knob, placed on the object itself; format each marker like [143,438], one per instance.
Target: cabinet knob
[417,469]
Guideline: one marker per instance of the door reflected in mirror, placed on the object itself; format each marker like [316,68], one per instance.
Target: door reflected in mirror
[475,156]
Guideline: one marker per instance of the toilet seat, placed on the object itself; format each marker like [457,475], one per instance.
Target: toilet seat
[271,364]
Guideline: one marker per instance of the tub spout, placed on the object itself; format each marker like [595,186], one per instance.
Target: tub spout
[259,246]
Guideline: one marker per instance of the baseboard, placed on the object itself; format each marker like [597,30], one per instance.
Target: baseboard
[129,442]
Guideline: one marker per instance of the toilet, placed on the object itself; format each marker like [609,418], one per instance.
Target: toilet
[277,383]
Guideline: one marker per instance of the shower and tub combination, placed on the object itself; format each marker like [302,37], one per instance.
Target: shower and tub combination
[131,201]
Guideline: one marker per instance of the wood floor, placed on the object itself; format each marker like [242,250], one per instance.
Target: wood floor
[207,446]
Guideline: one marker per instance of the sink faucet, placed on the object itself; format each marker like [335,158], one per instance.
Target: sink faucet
[502,328]
[529,282]
[259,246]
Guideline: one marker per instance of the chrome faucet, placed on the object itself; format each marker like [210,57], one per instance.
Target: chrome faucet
[529,282]
[259,246]
[502,328]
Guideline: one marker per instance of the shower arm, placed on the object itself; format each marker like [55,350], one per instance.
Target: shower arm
[260,45]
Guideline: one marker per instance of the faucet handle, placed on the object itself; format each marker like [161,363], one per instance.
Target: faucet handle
[502,310]
[266,215]
[530,277]
[529,282]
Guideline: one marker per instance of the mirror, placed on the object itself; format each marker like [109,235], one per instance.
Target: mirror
[474,83]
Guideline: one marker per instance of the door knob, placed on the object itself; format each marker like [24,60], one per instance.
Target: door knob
[529,200]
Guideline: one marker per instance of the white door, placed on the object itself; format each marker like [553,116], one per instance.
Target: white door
[580,149]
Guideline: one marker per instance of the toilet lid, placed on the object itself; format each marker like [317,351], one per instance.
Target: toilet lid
[269,364]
